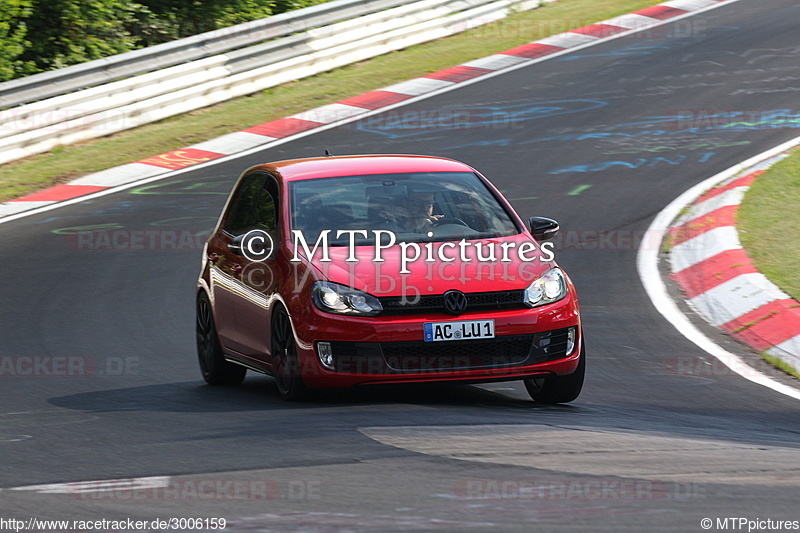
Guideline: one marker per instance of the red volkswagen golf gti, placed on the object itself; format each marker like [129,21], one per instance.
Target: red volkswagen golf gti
[342,271]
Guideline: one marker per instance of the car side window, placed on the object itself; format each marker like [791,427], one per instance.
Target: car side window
[266,216]
[252,207]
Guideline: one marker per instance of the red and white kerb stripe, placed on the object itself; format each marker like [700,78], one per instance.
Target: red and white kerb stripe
[720,281]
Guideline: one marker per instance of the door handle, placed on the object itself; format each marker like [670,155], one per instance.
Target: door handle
[237,268]
[213,257]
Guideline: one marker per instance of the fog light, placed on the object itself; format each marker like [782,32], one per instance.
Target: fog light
[325,354]
[571,340]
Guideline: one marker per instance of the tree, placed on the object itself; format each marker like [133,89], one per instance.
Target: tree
[65,32]
[39,35]
[12,37]
[190,17]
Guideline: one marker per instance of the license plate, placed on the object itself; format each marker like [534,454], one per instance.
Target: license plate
[458,331]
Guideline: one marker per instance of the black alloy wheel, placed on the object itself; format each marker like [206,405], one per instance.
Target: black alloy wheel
[215,369]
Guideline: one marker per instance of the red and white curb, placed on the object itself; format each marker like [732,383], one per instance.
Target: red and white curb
[647,264]
[281,130]
[718,278]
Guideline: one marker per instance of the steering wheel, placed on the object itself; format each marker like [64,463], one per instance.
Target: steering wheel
[449,220]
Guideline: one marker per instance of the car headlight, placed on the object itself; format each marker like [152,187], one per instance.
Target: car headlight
[549,288]
[335,298]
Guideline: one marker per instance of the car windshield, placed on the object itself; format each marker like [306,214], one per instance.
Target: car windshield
[417,207]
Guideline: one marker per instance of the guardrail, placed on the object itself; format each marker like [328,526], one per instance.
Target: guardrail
[167,85]
[92,73]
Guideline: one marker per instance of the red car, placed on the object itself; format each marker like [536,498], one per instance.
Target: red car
[341,271]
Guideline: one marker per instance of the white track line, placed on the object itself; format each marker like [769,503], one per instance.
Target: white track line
[647,265]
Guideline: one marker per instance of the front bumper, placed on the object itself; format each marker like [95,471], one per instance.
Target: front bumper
[369,350]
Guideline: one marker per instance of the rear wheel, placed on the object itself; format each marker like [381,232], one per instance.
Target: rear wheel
[285,365]
[558,389]
[215,369]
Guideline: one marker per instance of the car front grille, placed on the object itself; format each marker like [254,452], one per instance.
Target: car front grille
[420,356]
[434,303]
[453,355]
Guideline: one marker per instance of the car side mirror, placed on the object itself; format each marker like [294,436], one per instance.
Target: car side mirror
[543,229]
[235,245]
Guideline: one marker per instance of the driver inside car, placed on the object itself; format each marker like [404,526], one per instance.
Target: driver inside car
[419,217]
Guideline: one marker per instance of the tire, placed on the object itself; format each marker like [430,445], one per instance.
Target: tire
[558,389]
[285,365]
[215,369]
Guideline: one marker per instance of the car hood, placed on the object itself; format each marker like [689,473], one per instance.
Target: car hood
[475,274]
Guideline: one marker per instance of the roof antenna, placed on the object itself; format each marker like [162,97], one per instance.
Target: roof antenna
[327,153]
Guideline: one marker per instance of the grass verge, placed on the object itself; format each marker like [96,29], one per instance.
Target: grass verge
[780,364]
[769,224]
[66,163]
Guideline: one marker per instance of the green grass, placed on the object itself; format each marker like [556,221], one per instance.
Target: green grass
[67,163]
[769,224]
[780,364]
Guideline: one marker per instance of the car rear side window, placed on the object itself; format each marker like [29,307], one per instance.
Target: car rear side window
[252,207]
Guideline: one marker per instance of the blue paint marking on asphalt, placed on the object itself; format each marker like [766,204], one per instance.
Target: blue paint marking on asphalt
[637,50]
[773,119]
[638,163]
[397,124]
[45,221]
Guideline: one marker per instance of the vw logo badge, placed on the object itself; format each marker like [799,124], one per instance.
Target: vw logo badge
[455,302]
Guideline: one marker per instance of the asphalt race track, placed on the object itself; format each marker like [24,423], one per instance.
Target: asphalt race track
[600,139]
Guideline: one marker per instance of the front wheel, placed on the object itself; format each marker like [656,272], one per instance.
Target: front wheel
[558,389]
[215,369]
[285,365]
